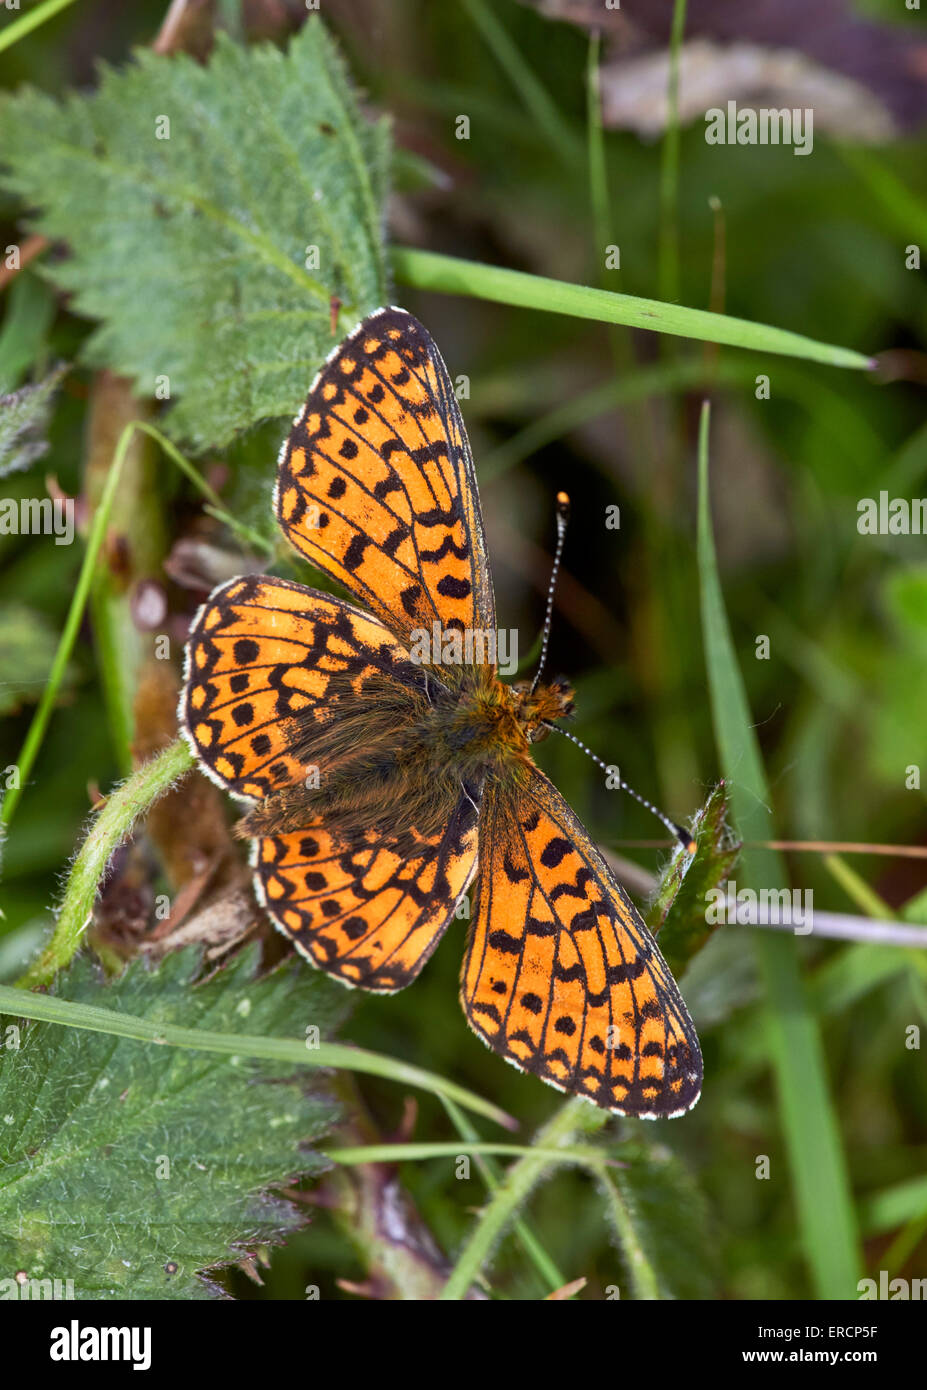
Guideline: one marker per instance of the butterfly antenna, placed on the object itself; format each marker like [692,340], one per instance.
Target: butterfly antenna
[563,516]
[682,835]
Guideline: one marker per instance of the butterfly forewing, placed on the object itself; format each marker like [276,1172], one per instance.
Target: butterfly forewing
[376,484]
[561,976]
[262,657]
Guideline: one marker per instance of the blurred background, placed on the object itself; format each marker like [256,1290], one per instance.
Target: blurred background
[819,244]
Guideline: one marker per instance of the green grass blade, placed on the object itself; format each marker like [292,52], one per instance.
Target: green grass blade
[818,1167]
[26,23]
[429,270]
[637,384]
[668,268]
[894,1206]
[852,974]
[534,95]
[43,713]
[20,1003]
[856,887]
[595,142]
[419,1152]
[904,209]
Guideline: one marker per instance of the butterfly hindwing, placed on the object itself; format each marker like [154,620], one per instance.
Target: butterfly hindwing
[261,658]
[561,977]
[376,485]
[371,912]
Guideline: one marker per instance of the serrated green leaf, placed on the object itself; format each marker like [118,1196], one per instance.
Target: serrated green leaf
[663,1220]
[89,1121]
[192,249]
[23,420]
[678,909]
[30,310]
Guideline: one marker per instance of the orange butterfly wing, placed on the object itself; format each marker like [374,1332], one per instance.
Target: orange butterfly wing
[372,912]
[376,486]
[561,976]
[260,659]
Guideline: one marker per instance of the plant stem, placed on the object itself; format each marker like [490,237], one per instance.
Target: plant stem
[643,1275]
[598,177]
[668,271]
[545,1266]
[513,1192]
[215,507]
[113,824]
[37,728]
[39,725]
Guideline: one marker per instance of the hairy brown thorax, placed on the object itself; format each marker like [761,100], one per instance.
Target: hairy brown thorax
[397,757]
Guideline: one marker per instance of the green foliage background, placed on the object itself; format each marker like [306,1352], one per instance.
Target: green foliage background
[187,258]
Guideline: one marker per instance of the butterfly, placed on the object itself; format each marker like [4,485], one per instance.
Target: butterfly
[382,777]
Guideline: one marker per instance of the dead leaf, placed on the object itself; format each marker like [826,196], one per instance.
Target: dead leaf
[567,1291]
[634,90]
[889,60]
